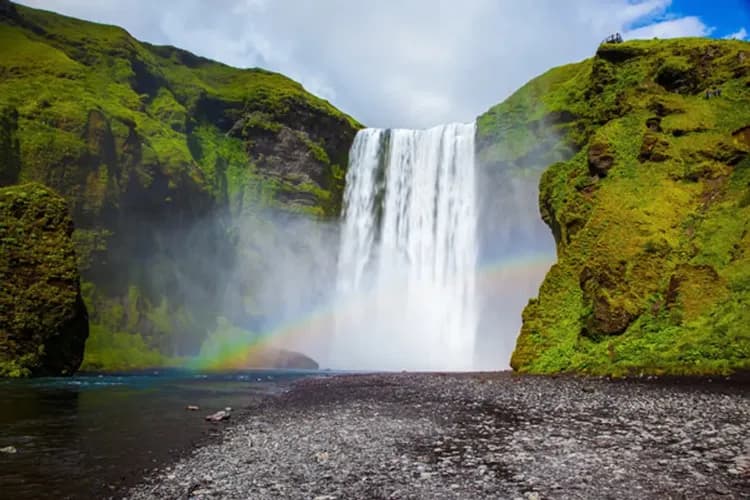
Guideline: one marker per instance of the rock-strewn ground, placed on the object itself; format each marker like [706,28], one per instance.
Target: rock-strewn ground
[436,436]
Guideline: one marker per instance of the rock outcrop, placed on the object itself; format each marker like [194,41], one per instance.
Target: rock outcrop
[647,193]
[158,153]
[43,320]
[283,359]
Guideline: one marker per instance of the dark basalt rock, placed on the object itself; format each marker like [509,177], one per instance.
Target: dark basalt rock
[7,9]
[600,159]
[728,152]
[653,148]
[10,149]
[280,359]
[560,117]
[43,320]
[617,53]
[605,288]
[654,124]
[677,75]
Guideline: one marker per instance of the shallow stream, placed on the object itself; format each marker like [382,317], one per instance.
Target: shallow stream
[89,435]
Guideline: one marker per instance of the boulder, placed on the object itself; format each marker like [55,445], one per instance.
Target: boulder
[274,358]
[43,320]
[218,416]
[605,290]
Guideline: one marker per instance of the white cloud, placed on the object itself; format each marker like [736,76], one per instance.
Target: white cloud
[406,63]
[673,28]
[741,34]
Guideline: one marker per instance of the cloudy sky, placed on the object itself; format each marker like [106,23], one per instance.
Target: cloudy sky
[407,63]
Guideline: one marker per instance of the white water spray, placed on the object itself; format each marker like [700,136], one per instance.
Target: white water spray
[408,254]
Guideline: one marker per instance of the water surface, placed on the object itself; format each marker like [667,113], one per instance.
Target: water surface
[88,436]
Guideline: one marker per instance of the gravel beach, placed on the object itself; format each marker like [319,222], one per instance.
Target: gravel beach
[498,435]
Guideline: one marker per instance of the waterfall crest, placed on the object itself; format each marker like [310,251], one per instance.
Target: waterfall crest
[408,251]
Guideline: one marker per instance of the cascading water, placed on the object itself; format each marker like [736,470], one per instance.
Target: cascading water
[408,253]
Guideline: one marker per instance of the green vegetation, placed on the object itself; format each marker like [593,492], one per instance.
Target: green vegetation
[156,151]
[647,197]
[43,322]
[60,73]
[119,351]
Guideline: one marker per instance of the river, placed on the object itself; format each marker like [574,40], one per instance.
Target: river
[92,435]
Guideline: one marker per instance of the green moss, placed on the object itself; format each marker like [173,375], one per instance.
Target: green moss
[146,143]
[114,351]
[652,273]
[20,366]
[43,322]
[56,69]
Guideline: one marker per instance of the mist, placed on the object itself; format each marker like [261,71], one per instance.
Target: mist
[286,284]
[517,250]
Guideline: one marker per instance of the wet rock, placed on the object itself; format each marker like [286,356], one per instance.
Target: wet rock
[218,416]
[273,358]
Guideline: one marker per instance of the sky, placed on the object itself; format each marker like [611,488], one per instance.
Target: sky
[407,63]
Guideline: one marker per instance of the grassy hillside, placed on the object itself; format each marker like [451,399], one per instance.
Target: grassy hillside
[157,151]
[648,197]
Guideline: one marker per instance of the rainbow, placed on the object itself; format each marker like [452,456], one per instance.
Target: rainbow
[246,351]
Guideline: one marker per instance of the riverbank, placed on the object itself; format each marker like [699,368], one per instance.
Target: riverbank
[476,436]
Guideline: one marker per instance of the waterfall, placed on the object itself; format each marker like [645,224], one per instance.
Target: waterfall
[408,253]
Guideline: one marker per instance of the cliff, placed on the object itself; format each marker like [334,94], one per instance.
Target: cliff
[646,190]
[43,320]
[158,153]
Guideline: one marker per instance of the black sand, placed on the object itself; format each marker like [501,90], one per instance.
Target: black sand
[477,436]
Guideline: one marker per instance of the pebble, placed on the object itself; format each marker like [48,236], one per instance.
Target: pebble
[437,436]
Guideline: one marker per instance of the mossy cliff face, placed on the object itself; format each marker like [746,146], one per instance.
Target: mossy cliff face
[157,151]
[43,320]
[649,205]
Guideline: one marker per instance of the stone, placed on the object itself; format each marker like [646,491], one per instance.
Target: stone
[653,148]
[218,416]
[43,320]
[600,159]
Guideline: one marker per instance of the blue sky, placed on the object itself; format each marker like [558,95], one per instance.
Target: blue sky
[723,18]
[407,63]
